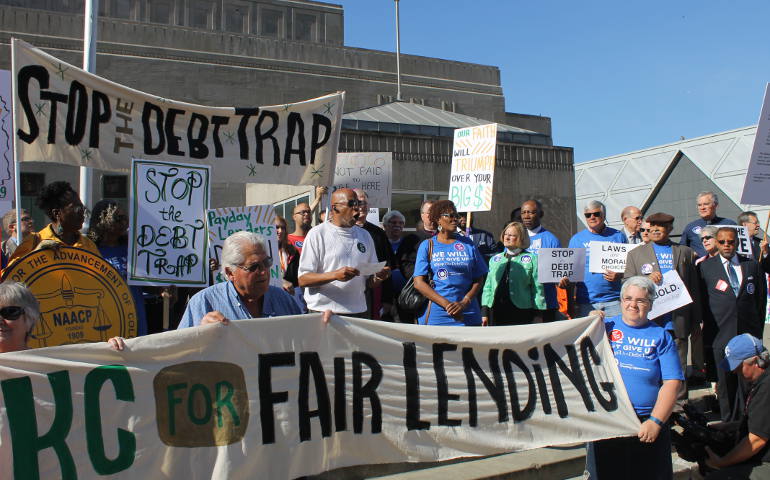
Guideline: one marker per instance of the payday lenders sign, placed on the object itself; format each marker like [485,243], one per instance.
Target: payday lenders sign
[223,222]
[295,397]
[66,115]
[473,168]
[168,244]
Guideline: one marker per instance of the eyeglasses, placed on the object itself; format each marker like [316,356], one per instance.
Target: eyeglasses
[350,203]
[26,219]
[11,313]
[302,212]
[593,214]
[726,242]
[261,266]
[637,218]
[451,215]
[706,237]
[638,301]
[644,230]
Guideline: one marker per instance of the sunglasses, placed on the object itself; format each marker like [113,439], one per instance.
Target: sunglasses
[644,230]
[593,214]
[726,242]
[11,313]
[706,237]
[350,203]
[302,212]
[451,215]
[261,266]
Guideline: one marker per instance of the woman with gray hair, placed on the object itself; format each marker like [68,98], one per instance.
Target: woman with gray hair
[708,237]
[19,313]
[649,365]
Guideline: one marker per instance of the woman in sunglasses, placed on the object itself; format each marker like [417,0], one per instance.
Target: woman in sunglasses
[708,238]
[449,272]
[109,231]
[19,312]
[63,206]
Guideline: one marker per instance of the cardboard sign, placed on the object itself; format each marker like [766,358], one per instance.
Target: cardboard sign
[82,297]
[756,188]
[7,166]
[743,245]
[553,264]
[66,115]
[608,256]
[287,397]
[473,168]
[369,171]
[223,222]
[169,244]
[670,295]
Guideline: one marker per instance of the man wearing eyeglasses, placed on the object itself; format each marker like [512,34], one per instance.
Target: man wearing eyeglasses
[9,227]
[303,219]
[735,295]
[632,221]
[247,293]
[598,291]
[333,252]
[707,209]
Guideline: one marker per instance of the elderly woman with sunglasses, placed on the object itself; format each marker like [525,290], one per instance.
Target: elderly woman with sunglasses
[63,206]
[19,312]
[647,359]
[449,272]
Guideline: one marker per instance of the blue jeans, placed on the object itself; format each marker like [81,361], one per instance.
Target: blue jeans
[610,308]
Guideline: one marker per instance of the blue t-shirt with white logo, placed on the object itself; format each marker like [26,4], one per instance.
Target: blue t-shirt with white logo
[545,239]
[665,256]
[645,356]
[594,288]
[454,268]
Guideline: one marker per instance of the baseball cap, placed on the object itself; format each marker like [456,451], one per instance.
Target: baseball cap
[738,349]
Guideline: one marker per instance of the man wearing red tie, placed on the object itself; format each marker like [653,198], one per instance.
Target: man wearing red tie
[735,294]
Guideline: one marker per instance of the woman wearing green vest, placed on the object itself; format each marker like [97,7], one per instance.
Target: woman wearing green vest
[512,295]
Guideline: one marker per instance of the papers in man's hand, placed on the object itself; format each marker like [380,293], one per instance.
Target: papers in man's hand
[367,269]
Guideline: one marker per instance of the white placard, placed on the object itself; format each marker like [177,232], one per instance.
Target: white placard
[743,246]
[669,295]
[223,222]
[608,256]
[7,166]
[473,168]
[286,397]
[95,122]
[369,171]
[553,264]
[169,244]
[756,189]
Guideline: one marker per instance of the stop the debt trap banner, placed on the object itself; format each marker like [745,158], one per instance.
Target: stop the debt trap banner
[66,115]
[289,396]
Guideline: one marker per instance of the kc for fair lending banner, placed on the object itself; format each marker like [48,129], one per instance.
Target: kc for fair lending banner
[66,115]
[286,397]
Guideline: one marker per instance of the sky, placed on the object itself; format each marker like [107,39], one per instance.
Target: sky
[614,77]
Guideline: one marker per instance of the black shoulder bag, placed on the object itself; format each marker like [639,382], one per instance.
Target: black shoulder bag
[409,298]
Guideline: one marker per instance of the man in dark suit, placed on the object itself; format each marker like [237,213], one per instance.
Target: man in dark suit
[735,295]
[653,260]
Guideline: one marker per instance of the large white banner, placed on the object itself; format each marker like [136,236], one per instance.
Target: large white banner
[473,168]
[756,188]
[286,397]
[168,244]
[369,171]
[7,182]
[223,222]
[67,115]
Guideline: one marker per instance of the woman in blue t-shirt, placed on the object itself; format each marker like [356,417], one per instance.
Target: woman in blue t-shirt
[649,365]
[456,270]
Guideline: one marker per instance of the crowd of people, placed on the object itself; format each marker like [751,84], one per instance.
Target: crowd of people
[470,277]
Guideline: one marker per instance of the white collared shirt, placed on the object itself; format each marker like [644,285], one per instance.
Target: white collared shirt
[734,264]
[535,231]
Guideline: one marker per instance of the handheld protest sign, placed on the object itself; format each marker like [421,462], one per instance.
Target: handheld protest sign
[169,245]
[223,222]
[669,295]
[369,171]
[757,184]
[102,124]
[743,240]
[82,297]
[473,168]
[553,264]
[608,256]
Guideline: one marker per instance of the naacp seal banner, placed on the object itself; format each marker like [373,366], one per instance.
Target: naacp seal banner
[82,297]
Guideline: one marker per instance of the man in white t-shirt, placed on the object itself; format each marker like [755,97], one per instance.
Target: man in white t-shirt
[331,257]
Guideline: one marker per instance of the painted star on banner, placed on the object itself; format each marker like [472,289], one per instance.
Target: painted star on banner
[40,110]
[161,100]
[287,106]
[85,155]
[230,136]
[252,170]
[60,69]
[317,171]
[328,108]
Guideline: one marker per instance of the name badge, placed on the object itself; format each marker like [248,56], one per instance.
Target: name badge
[750,288]
[721,286]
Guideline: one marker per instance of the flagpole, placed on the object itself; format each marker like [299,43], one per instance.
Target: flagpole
[16,163]
[398,54]
[89,65]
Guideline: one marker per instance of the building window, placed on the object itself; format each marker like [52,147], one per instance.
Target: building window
[271,23]
[305,27]
[115,186]
[117,9]
[408,203]
[236,18]
[31,185]
[201,14]
[161,11]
